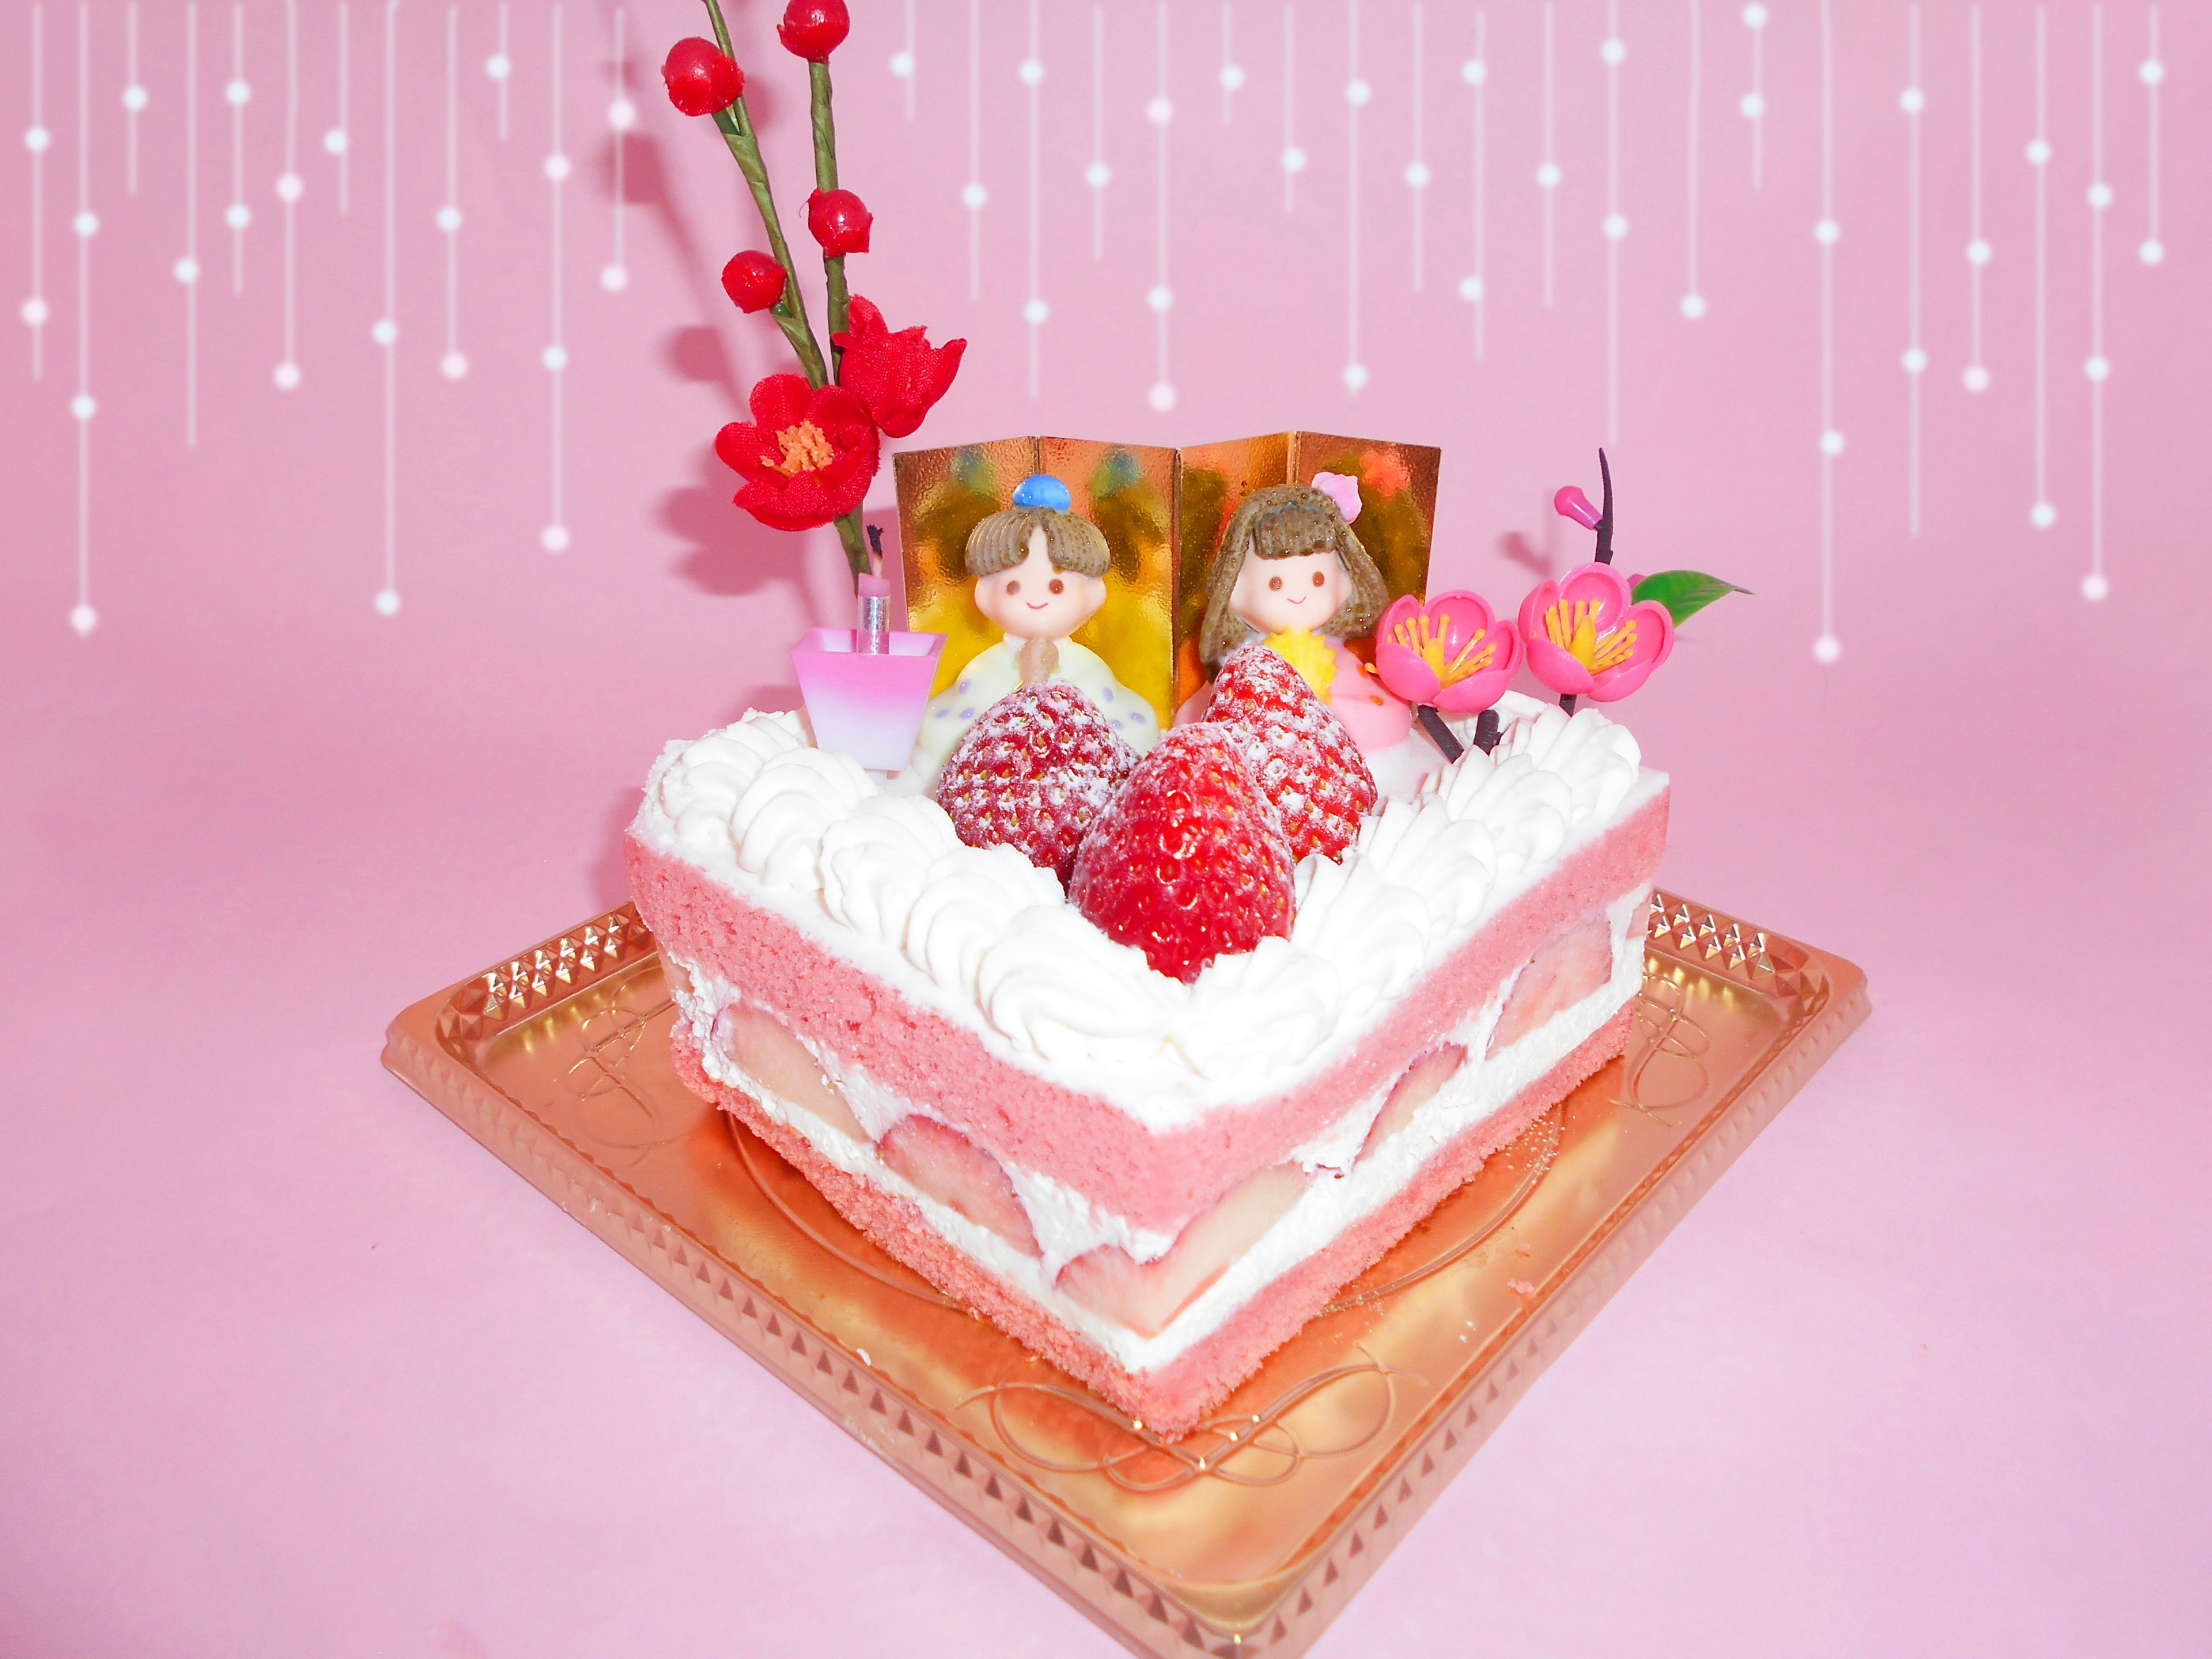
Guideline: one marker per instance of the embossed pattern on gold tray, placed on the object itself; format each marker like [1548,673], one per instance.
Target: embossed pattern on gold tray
[1250,1533]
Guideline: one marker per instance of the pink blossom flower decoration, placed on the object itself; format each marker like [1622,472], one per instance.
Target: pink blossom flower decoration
[1450,653]
[1588,637]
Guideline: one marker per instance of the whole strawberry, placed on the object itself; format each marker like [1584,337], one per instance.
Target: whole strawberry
[1189,862]
[1305,761]
[1034,772]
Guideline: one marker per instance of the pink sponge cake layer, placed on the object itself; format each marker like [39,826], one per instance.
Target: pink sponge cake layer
[1155,1179]
[1176,1397]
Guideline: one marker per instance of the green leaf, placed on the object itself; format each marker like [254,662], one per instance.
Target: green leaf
[1684,592]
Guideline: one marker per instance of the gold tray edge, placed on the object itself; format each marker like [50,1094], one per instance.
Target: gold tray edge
[1116,1591]
[412,1053]
[1561,1311]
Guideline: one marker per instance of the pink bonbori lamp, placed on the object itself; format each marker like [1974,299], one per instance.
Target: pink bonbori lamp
[866,687]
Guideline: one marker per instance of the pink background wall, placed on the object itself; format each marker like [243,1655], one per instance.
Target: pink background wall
[292,1368]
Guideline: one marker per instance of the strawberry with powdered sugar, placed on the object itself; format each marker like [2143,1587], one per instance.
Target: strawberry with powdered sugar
[1033,773]
[1300,753]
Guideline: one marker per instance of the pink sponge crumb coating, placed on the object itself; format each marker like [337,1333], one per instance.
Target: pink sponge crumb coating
[1156,1180]
[1175,1399]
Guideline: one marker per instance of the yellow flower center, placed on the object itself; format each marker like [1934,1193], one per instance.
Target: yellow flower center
[1573,629]
[1311,656]
[806,448]
[1430,641]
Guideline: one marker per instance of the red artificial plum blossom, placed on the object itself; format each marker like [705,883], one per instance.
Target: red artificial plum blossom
[753,280]
[1450,653]
[702,79]
[806,456]
[897,375]
[1587,636]
[840,221]
[814,29]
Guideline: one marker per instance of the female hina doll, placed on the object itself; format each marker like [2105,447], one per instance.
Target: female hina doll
[1292,574]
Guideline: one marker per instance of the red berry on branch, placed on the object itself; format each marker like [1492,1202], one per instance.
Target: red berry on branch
[753,281]
[702,79]
[840,221]
[814,29]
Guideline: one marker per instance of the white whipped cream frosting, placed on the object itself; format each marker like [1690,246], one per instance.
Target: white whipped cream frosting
[985,936]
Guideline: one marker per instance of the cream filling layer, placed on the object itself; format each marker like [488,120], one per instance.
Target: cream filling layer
[1067,1225]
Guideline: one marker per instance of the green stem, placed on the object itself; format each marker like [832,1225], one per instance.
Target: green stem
[790,312]
[850,532]
[825,177]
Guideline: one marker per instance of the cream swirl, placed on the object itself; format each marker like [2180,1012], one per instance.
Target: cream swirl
[969,896]
[1055,985]
[779,821]
[1598,759]
[1450,862]
[875,863]
[702,780]
[1375,930]
[1274,1006]
[1527,810]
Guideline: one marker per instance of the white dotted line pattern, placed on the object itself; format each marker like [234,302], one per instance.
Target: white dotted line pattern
[1753,104]
[238,92]
[1035,310]
[554,539]
[337,141]
[1475,74]
[500,68]
[386,332]
[2152,73]
[1826,233]
[2095,586]
[2042,513]
[453,364]
[136,98]
[1159,111]
[622,120]
[1293,158]
[902,66]
[1613,52]
[289,188]
[1548,173]
[1978,252]
[1693,298]
[1097,175]
[38,140]
[1914,102]
[187,268]
[973,196]
[83,617]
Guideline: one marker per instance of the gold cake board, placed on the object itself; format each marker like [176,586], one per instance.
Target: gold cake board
[1249,1534]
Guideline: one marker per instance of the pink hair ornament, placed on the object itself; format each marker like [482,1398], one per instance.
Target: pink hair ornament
[1342,488]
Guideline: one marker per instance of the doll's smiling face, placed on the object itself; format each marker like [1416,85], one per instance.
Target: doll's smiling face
[1296,594]
[1033,601]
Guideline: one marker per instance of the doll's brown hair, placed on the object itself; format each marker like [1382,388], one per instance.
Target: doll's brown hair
[1280,522]
[1002,541]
